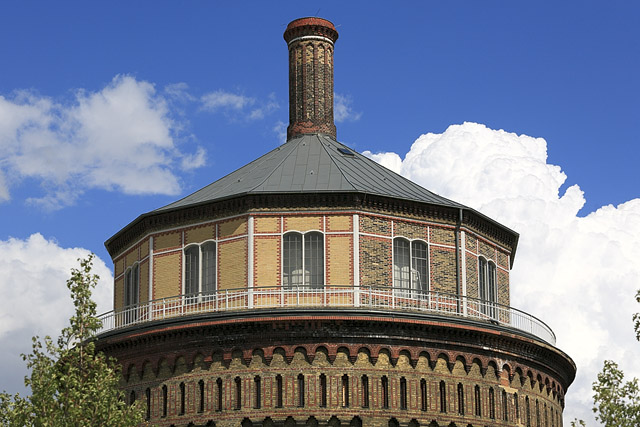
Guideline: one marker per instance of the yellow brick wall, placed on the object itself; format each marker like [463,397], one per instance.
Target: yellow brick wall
[144,248]
[199,234]
[487,250]
[266,267]
[144,281]
[470,242]
[303,223]
[375,261]
[339,223]
[339,259]
[167,240]
[118,293]
[375,225]
[410,230]
[232,264]
[131,257]
[167,272]
[118,266]
[443,236]
[233,227]
[443,270]
[267,224]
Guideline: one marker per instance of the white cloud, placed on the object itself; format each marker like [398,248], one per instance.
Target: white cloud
[342,109]
[578,274]
[280,128]
[236,106]
[195,160]
[221,99]
[265,109]
[118,139]
[34,275]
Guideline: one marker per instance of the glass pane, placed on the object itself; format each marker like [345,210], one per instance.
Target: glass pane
[208,267]
[191,270]
[401,277]
[482,275]
[135,289]
[419,266]
[292,260]
[314,260]
[127,288]
[492,282]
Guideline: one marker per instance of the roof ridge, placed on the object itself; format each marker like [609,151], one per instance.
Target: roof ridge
[279,164]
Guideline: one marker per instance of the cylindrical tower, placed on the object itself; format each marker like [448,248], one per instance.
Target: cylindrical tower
[314,287]
[310,42]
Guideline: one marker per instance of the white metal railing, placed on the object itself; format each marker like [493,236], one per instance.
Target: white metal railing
[379,298]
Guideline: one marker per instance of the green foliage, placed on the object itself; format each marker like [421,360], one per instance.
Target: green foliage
[71,384]
[617,402]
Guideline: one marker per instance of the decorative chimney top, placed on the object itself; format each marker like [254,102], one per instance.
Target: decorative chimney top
[310,42]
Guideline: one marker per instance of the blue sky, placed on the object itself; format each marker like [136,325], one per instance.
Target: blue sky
[210,81]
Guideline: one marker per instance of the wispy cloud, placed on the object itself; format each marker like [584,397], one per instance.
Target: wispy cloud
[237,106]
[342,109]
[120,138]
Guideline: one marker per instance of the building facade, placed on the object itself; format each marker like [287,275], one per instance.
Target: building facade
[315,287]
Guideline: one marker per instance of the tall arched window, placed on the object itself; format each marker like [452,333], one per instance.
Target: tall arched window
[478,401]
[345,391]
[182,393]
[403,393]
[147,393]
[365,391]
[505,406]
[257,402]
[443,397]
[238,383]
[492,404]
[528,410]
[201,392]
[410,265]
[323,391]
[460,399]
[164,401]
[487,286]
[219,387]
[279,391]
[385,392]
[303,260]
[301,391]
[423,394]
[132,292]
[200,269]
[516,404]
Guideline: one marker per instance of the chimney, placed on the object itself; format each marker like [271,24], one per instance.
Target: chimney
[310,42]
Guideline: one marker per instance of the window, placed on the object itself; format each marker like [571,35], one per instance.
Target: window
[516,404]
[528,410]
[303,260]
[537,413]
[487,286]
[219,387]
[257,404]
[385,392]
[131,293]
[505,406]
[200,269]
[201,389]
[410,265]
[478,401]
[403,393]
[238,383]
[443,397]
[492,404]
[164,401]
[460,399]
[301,391]
[147,393]
[345,391]
[365,391]
[182,398]
[423,394]
[278,391]
[323,390]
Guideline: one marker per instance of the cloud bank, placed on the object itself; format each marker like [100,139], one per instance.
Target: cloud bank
[578,274]
[121,138]
[33,280]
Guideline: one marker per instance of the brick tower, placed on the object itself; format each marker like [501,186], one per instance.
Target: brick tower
[314,287]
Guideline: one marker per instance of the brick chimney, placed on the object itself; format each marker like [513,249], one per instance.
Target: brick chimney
[310,42]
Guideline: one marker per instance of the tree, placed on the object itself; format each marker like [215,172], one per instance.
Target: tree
[616,402]
[72,384]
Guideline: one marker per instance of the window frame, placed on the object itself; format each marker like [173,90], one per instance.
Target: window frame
[415,287]
[307,279]
[200,270]
[487,286]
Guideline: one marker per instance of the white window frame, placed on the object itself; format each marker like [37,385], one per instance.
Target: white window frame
[200,270]
[414,283]
[485,277]
[305,283]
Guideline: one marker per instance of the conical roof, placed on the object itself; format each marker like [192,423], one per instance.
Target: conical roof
[312,163]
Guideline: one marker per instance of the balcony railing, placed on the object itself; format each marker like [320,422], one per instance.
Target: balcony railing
[378,298]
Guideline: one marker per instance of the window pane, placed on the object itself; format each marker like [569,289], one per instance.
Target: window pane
[209,267]
[491,285]
[314,260]
[419,266]
[191,270]
[401,277]
[292,260]
[127,288]
[135,288]
[482,276]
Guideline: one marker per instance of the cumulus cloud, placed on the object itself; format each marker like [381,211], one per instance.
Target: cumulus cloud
[221,99]
[578,274]
[34,275]
[342,109]
[120,138]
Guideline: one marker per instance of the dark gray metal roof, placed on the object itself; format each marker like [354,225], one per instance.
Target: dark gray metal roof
[313,163]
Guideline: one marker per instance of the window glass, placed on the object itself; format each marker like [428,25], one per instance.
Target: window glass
[303,260]
[191,262]
[292,260]
[314,260]
[401,277]
[419,269]
[208,267]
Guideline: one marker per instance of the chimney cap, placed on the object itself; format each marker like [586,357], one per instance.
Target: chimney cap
[310,26]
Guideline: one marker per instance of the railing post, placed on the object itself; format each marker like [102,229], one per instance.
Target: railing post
[297,296]
[226,299]
[465,311]
[356,296]
[324,296]
[393,298]
[250,297]
[281,296]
